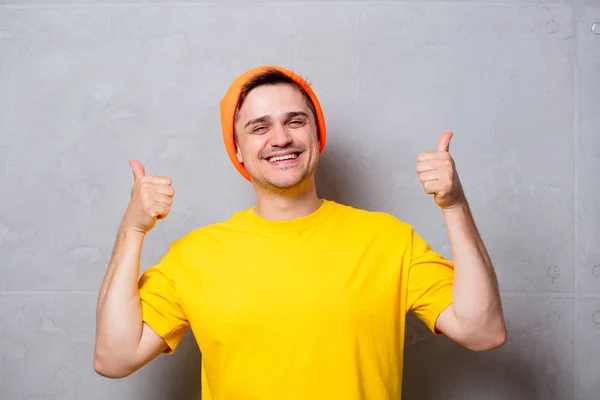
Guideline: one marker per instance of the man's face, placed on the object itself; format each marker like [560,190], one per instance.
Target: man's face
[277,137]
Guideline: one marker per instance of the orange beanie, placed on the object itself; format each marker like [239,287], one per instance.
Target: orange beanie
[229,105]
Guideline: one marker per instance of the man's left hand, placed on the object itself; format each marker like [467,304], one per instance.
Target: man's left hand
[438,174]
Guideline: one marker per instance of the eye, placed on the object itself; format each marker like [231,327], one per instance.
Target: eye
[259,129]
[297,122]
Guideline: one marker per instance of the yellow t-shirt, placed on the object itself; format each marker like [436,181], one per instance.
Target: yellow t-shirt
[309,308]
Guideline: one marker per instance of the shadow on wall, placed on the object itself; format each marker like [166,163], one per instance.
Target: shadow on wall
[175,376]
[348,175]
[367,175]
[437,368]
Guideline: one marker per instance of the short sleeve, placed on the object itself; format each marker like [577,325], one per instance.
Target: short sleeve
[430,280]
[161,307]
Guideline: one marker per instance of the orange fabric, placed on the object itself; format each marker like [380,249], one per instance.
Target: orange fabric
[230,101]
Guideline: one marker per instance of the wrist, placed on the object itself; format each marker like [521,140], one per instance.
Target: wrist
[130,232]
[458,207]
[459,203]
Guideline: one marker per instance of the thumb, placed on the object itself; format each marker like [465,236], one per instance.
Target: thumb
[444,141]
[138,170]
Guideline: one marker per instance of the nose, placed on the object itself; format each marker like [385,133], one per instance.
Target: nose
[280,137]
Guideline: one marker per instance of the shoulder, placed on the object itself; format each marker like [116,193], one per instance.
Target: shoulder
[196,237]
[369,219]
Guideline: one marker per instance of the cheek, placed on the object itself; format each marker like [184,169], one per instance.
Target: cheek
[309,138]
[251,149]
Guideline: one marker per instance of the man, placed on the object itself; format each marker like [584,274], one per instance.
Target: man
[298,297]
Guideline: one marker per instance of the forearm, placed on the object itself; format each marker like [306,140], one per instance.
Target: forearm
[118,315]
[475,294]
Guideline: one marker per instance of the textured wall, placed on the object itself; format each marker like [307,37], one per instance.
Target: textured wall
[86,85]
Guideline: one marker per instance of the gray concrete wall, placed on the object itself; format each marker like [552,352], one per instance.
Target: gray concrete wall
[87,85]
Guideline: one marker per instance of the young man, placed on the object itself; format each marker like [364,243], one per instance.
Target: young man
[298,297]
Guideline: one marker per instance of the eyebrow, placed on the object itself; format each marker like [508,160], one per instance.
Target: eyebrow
[266,118]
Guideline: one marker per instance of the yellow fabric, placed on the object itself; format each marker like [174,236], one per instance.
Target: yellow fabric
[310,308]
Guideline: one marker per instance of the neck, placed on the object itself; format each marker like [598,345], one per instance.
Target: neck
[287,204]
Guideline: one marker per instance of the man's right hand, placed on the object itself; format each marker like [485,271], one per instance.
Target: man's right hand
[151,199]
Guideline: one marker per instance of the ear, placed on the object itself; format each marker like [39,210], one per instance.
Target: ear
[238,153]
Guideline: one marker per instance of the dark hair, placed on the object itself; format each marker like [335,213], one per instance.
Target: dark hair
[273,77]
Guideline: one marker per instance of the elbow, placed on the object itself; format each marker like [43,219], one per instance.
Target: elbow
[500,339]
[490,341]
[102,369]
[109,369]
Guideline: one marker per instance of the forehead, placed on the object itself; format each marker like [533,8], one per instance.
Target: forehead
[273,101]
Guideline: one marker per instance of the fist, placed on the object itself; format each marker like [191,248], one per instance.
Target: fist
[151,199]
[438,175]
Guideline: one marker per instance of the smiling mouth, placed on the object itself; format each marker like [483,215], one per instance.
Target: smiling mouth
[290,156]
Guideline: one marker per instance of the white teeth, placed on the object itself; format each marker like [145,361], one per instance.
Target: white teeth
[281,158]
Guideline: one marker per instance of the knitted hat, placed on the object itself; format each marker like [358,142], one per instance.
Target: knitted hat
[229,105]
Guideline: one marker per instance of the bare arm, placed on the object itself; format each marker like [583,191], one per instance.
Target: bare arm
[475,319]
[124,343]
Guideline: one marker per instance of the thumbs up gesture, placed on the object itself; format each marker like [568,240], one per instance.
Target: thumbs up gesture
[438,174]
[151,199]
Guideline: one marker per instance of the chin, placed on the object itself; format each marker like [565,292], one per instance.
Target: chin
[283,180]
[284,183]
